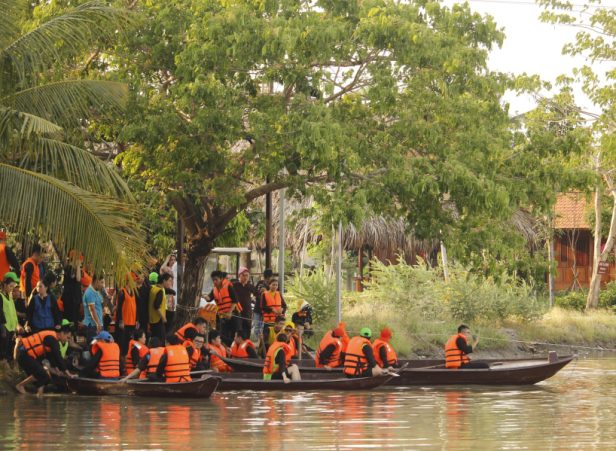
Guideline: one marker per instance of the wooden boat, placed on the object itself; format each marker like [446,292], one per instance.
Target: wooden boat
[197,388]
[433,372]
[504,372]
[335,381]
[98,387]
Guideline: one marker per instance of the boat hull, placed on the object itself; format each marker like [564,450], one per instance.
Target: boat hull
[198,388]
[232,382]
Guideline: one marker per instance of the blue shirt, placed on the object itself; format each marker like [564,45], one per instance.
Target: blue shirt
[92,297]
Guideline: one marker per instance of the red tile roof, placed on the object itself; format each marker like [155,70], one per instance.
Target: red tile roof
[571,211]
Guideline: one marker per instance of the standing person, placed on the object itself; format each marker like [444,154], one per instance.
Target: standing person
[8,260]
[42,311]
[9,324]
[71,289]
[246,294]
[257,314]
[359,358]
[263,284]
[273,307]
[157,304]
[30,272]
[457,350]
[384,353]
[228,306]
[93,307]
[30,351]
[143,296]
[170,266]
[126,315]
[171,300]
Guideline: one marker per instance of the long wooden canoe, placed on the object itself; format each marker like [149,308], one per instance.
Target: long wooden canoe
[254,381]
[433,372]
[513,372]
[198,388]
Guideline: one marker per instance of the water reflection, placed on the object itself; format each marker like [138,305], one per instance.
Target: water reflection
[572,410]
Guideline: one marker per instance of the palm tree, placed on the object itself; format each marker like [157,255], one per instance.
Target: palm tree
[48,185]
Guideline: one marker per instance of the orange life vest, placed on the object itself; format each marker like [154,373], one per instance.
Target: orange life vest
[4,261]
[392,358]
[216,362]
[129,308]
[274,302]
[36,276]
[60,304]
[239,352]
[355,361]
[195,357]
[293,345]
[86,279]
[454,357]
[334,360]
[155,355]
[143,351]
[269,366]
[182,330]
[34,343]
[223,298]
[178,364]
[109,364]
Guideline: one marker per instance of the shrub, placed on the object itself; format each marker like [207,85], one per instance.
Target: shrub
[318,290]
[607,298]
[574,300]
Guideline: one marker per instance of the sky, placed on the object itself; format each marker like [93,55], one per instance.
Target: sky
[531,46]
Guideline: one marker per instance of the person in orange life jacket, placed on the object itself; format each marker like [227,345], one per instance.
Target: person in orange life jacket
[228,320]
[273,306]
[257,314]
[275,365]
[174,365]
[242,347]
[329,354]
[384,353]
[137,351]
[217,352]
[146,368]
[359,358]
[42,311]
[198,324]
[8,260]
[344,339]
[289,329]
[30,351]
[193,342]
[126,314]
[105,358]
[30,272]
[458,348]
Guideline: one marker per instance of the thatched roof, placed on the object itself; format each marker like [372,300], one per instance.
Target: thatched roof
[388,236]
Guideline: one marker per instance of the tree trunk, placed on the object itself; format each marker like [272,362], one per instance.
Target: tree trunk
[592,301]
[192,283]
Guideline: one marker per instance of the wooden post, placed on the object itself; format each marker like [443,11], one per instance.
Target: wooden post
[551,270]
[268,229]
[281,237]
[360,268]
[339,274]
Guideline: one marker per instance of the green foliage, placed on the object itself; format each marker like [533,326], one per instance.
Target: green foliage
[49,185]
[318,290]
[574,300]
[466,296]
[607,297]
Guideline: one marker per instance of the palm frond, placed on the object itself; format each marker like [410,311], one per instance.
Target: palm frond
[25,123]
[75,165]
[65,102]
[9,31]
[77,29]
[106,231]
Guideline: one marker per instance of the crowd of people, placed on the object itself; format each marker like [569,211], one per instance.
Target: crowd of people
[129,331]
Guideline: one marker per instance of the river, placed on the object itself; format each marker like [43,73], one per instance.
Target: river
[574,409]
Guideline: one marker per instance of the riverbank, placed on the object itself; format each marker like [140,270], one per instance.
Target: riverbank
[560,330]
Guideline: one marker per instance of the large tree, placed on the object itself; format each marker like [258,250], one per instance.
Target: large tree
[49,184]
[596,40]
[369,106]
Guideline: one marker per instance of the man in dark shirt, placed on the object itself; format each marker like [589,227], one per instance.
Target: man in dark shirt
[246,292]
[463,345]
[143,294]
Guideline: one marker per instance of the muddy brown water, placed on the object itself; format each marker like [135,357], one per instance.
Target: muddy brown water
[576,409]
